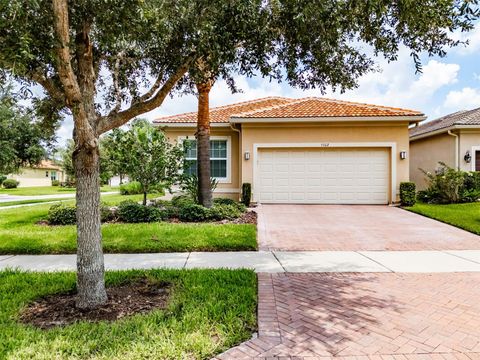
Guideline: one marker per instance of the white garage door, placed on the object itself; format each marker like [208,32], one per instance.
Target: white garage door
[322,176]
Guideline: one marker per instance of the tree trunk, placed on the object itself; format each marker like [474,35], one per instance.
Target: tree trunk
[203,145]
[144,198]
[90,265]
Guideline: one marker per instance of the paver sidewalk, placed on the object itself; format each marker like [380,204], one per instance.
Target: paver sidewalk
[270,262]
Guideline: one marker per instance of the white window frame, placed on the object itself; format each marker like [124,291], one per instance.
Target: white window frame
[474,156]
[225,180]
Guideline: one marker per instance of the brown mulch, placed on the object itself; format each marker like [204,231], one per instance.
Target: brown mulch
[139,297]
[250,217]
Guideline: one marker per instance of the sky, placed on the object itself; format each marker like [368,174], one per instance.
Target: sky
[446,85]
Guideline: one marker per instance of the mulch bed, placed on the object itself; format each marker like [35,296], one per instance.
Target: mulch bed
[250,217]
[139,297]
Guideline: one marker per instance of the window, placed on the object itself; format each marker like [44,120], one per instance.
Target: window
[53,175]
[218,157]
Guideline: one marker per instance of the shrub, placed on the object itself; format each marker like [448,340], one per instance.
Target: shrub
[190,186]
[224,212]
[131,188]
[448,185]
[182,200]
[61,214]
[55,183]
[407,193]
[445,186]
[131,212]
[106,214]
[246,194]
[193,212]
[2,179]
[10,183]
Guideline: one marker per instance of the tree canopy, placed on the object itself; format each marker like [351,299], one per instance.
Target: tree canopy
[22,138]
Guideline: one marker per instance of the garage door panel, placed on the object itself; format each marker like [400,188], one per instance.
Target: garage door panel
[328,176]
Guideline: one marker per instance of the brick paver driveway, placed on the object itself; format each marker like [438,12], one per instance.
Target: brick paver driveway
[366,316]
[355,227]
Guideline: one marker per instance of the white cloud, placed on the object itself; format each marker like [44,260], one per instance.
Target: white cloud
[464,99]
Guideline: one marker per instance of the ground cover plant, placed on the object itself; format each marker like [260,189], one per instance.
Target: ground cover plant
[179,329]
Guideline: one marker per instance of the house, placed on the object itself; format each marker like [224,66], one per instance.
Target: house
[310,150]
[453,139]
[39,175]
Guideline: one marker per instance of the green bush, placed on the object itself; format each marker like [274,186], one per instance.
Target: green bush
[55,183]
[2,179]
[10,184]
[246,194]
[132,212]
[224,212]
[193,212]
[61,214]
[407,193]
[227,201]
[131,188]
[182,200]
[106,214]
[449,185]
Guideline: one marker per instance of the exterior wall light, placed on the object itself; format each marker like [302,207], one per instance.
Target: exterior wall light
[247,155]
[403,155]
[467,157]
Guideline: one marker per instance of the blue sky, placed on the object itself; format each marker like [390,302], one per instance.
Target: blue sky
[446,85]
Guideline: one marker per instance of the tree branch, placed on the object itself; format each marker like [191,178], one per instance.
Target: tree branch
[118,119]
[152,90]
[65,71]
[49,85]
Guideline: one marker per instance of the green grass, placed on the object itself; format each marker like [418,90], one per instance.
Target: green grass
[23,202]
[47,190]
[209,312]
[19,234]
[464,216]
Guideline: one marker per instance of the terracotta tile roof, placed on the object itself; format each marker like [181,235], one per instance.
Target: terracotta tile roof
[221,114]
[464,117]
[322,107]
[280,107]
[47,164]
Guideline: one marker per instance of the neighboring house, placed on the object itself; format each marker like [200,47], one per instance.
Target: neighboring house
[453,139]
[39,175]
[310,150]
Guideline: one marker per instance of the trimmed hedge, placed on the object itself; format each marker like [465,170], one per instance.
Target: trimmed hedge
[407,193]
[246,194]
[61,214]
[10,184]
[131,212]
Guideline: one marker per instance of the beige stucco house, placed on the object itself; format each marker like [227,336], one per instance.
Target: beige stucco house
[310,150]
[453,139]
[39,175]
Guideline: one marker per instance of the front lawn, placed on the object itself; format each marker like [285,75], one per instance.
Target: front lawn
[47,190]
[19,234]
[464,216]
[209,311]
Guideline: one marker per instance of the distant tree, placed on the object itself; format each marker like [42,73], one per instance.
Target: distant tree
[150,158]
[22,138]
[65,154]
[111,147]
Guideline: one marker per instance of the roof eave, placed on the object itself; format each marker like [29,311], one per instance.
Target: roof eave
[187,125]
[443,130]
[410,118]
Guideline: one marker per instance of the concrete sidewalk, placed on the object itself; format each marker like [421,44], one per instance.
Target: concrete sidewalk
[269,261]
